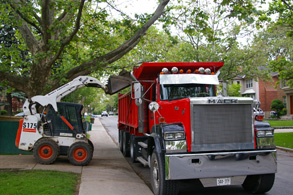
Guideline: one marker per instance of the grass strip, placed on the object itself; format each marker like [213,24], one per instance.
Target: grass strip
[38,182]
[280,123]
[284,140]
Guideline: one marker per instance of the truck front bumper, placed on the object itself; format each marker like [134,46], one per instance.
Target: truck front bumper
[220,164]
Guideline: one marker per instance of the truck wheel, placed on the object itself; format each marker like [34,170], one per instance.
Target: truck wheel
[161,186]
[259,184]
[126,144]
[80,154]
[121,140]
[133,149]
[46,151]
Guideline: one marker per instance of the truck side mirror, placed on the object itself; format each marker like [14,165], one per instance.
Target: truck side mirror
[137,88]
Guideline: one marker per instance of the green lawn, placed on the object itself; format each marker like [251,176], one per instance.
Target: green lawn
[280,123]
[284,140]
[38,182]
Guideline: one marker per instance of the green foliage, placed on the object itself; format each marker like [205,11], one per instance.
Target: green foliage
[284,9]
[277,105]
[234,90]
[38,182]
[3,112]
[285,69]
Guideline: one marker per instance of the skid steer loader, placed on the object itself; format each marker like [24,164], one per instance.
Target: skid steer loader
[51,128]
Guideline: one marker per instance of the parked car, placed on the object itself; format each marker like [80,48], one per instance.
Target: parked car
[104,113]
[111,113]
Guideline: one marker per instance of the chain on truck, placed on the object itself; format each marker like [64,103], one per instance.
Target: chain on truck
[173,121]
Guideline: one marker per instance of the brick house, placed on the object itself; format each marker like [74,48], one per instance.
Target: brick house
[266,92]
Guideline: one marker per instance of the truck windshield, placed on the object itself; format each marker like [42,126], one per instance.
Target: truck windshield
[172,92]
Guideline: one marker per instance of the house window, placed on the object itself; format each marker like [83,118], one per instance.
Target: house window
[249,83]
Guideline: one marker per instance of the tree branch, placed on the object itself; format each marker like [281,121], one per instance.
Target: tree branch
[13,6]
[17,82]
[284,1]
[45,10]
[122,49]
[70,37]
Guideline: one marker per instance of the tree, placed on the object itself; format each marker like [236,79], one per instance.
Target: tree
[276,51]
[47,28]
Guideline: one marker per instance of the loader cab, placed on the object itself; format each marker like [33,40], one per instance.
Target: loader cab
[55,126]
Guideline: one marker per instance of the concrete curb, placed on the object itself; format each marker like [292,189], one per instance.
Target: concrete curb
[283,127]
[285,149]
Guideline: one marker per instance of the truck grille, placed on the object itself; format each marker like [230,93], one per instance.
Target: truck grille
[221,127]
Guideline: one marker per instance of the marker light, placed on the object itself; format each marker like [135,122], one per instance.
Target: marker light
[201,70]
[188,71]
[181,71]
[174,70]
[165,70]
[161,120]
[208,71]
[196,71]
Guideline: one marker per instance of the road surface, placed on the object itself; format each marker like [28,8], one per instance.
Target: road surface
[283,182]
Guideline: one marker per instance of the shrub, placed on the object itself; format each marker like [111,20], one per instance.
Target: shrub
[277,105]
[3,112]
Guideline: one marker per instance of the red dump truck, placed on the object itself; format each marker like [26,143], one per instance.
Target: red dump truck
[173,121]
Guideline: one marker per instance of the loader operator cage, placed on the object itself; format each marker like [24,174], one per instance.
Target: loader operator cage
[55,126]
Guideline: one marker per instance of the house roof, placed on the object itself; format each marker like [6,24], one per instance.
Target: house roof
[249,91]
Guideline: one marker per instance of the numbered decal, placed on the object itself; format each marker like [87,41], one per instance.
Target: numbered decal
[29,127]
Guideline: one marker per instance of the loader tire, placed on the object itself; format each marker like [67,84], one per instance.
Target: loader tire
[46,151]
[80,154]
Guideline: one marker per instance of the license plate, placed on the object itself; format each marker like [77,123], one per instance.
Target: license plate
[224,181]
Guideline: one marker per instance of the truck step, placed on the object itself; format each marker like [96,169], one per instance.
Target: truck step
[142,144]
[142,161]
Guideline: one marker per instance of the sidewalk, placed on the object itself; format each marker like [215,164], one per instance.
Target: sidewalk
[109,172]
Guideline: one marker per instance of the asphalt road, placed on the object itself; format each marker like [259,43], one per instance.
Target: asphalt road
[283,182]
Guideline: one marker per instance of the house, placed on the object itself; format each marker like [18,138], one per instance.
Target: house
[266,92]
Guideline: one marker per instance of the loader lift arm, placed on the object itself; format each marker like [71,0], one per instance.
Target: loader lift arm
[56,95]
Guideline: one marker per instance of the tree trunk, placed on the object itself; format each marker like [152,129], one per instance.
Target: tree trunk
[9,106]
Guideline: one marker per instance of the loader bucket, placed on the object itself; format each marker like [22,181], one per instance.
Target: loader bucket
[117,83]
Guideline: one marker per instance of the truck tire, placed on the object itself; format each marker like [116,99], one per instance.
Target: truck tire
[80,154]
[133,149]
[46,151]
[161,186]
[121,140]
[258,184]
[126,144]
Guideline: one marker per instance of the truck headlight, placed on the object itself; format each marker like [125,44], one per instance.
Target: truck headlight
[260,133]
[174,135]
[265,133]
